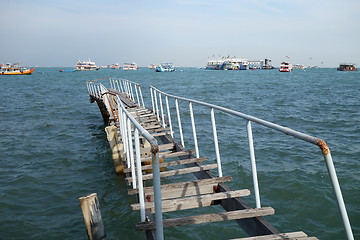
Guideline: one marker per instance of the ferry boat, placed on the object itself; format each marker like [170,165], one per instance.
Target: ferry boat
[347,67]
[215,65]
[228,63]
[130,66]
[86,66]
[115,66]
[165,67]
[285,67]
[15,69]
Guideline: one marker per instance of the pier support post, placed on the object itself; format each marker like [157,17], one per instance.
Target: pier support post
[116,148]
[92,217]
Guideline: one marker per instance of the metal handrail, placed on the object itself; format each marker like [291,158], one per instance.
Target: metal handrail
[125,120]
[299,135]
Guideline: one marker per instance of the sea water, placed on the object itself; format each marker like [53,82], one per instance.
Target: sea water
[53,149]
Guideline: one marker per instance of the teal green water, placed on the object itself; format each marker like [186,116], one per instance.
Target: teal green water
[53,149]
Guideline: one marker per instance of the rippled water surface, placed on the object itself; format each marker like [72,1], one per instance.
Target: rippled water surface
[53,149]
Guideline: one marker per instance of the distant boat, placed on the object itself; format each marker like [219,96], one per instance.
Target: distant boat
[14,69]
[285,67]
[165,67]
[152,66]
[67,70]
[115,66]
[86,66]
[347,67]
[130,66]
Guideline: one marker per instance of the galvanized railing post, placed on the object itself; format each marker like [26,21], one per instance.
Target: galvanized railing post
[121,85]
[216,142]
[117,83]
[253,165]
[339,198]
[179,122]
[131,150]
[137,95]
[141,96]
[126,142]
[169,117]
[139,175]
[194,130]
[152,100]
[162,111]
[131,91]
[111,85]
[157,196]
[156,106]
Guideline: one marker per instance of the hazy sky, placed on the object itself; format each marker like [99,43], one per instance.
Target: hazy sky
[187,33]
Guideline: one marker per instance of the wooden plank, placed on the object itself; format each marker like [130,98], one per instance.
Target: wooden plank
[181,185]
[171,155]
[280,236]
[171,163]
[206,218]
[179,171]
[162,147]
[192,202]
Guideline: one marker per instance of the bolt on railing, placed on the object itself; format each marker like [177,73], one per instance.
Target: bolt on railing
[304,137]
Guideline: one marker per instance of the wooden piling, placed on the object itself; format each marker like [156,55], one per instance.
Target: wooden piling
[116,148]
[92,217]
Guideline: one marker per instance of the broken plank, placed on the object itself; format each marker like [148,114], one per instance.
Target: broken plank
[193,202]
[206,218]
[162,147]
[170,155]
[181,185]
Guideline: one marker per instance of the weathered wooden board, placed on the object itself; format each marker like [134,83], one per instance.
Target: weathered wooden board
[206,218]
[179,171]
[171,163]
[183,186]
[281,236]
[171,155]
[162,147]
[192,202]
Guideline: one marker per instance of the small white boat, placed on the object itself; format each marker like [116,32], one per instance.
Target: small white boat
[130,66]
[86,66]
[285,67]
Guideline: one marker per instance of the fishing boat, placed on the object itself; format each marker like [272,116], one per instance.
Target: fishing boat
[347,67]
[130,66]
[285,67]
[15,69]
[165,67]
[86,66]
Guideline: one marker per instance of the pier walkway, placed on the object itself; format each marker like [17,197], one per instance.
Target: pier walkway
[145,150]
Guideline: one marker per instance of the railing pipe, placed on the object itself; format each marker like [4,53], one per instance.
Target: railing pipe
[126,142]
[179,122]
[156,106]
[169,117]
[139,175]
[157,195]
[162,111]
[217,152]
[117,83]
[338,194]
[137,95]
[131,150]
[152,101]
[194,131]
[253,165]
[141,96]
[131,91]
[110,80]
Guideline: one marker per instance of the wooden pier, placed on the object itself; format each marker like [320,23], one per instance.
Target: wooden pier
[203,188]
